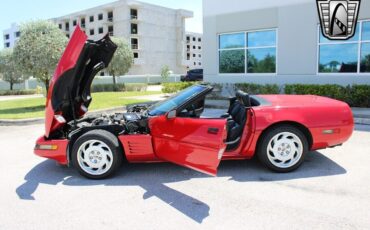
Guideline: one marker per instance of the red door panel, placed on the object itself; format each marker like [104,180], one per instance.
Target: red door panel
[194,143]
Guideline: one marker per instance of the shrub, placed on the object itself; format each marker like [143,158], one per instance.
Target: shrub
[175,86]
[18,92]
[119,87]
[355,95]
[258,89]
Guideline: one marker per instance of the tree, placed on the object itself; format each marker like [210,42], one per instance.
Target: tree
[39,49]
[165,73]
[122,59]
[8,69]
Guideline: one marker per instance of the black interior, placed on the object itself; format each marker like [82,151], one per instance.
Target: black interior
[236,118]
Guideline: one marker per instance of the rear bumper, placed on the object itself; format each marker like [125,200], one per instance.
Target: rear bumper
[331,136]
[52,149]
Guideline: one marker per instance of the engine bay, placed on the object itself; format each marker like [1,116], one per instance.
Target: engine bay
[134,121]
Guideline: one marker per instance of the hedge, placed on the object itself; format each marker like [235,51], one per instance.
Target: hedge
[259,89]
[355,95]
[119,87]
[17,92]
[174,87]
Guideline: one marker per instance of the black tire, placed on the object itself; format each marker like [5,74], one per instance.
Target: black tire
[263,150]
[110,142]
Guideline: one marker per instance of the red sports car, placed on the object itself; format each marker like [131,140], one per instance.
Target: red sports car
[279,129]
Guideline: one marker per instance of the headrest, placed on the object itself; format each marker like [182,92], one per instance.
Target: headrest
[244,98]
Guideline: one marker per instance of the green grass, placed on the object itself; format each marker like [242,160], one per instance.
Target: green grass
[34,107]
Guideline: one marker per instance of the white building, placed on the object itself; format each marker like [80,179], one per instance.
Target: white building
[193,50]
[11,36]
[280,42]
[156,34]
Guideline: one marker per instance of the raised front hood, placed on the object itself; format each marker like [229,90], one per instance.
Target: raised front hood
[69,90]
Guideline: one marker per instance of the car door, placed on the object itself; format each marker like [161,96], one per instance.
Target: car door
[195,143]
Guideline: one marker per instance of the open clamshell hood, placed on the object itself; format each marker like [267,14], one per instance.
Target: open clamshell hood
[69,90]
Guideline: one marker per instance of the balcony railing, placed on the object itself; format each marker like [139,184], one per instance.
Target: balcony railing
[133,17]
[110,19]
[134,46]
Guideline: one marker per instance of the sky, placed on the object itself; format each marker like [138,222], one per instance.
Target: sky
[25,10]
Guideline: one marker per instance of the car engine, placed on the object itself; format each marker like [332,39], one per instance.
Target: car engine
[134,121]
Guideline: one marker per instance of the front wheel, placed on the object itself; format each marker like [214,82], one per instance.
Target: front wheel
[283,149]
[96,154]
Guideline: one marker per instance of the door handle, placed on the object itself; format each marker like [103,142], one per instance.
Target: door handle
[213,130]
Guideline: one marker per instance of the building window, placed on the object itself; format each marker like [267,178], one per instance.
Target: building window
[133,13]
[60,26]
[110,16]
[83,22]
[74,22]
[92,32]
[136,55]
[187,56]
[194,39]
[6,36]
[91,18]
[7,45]
[195,63]
[200,55]
[188,47]
[17,34]
[67,26]
[101,30]
[134,43]
[67,35]
[133,28]
[110,30]
[199,47]
[199,63]
[187,39]
[343,56]
[100,17]
[193,47]
[199,39]
[194,55]
[248,52]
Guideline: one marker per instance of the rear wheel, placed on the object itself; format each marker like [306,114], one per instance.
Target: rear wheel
[96,154]
[283,148]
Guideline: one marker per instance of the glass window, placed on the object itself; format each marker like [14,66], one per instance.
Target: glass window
[365,58]
[262,38]
[262,60]
[338,58]
[366,31]
[232,61]
[175,101]
[228,41]
[353,39]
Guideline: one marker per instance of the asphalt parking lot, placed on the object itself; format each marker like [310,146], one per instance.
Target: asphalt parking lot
[330,191]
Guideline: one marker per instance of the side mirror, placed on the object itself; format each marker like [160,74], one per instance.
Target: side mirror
[171,114]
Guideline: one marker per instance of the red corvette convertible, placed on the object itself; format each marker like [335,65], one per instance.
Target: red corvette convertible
[279,129]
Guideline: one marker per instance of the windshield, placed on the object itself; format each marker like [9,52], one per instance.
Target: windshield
[176,100]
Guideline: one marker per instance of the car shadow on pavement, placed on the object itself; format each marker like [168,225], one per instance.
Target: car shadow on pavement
[153,178]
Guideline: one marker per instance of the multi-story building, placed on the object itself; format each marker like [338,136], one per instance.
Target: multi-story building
[156,34]
[11,36]
[193,50]
[280,42]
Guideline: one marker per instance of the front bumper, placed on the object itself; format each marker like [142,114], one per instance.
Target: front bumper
[52,149]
